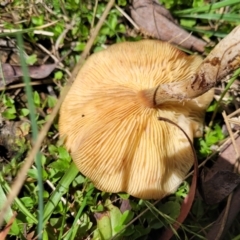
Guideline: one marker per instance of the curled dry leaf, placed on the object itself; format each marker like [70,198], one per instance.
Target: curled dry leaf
[218,182]
[11,73]
[222,225]
[160,24]
[222,60]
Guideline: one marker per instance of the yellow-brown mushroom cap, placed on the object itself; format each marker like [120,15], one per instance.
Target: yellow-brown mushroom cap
[109,119]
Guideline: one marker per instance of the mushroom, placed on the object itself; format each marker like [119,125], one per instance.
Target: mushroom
[109,119]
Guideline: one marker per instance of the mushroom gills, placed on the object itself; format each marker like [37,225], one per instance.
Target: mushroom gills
[109,119]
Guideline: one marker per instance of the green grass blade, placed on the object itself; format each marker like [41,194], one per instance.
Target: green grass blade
[231,81]
[60,190]
[63,222]
[214,16]
[19,204]
[207,8]
[3,198]
[213,33]
[29,94]
[73,231]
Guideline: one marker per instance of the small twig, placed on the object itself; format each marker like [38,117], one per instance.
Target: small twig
[45,33]
[35,28]
[21,85]
[127,17]
[54,58]
[234,113]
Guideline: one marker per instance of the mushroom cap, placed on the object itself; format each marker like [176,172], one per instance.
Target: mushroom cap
[110,125]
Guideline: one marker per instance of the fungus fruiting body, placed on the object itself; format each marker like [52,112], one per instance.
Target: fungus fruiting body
[109,119]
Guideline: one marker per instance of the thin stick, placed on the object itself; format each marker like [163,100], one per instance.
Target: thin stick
[127,17]
[20,178]
[21,85]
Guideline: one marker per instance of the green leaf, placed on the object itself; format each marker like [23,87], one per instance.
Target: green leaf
[172,209]
[105,30]
[78,180]
[14,228]
[51,101]
[20,205]
[115,215]
[104,227]
[124,195]
[30,60]
[198,3]
[198,208]
[59,165]
[24,112]
[80,47]
[45,235]
[36,99]
[212,107]
[188,22]
[58,75]
[38,20]
[7,101]
[122,2]
[140,231]
[33,173]
[9,113]
[113,22]
[126,217]
[28,202]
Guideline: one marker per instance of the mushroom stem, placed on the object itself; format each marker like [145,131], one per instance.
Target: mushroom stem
[153,97]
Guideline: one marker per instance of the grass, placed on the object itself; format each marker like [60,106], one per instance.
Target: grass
[54,201]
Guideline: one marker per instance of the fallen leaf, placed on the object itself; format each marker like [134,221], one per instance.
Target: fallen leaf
[219,186]
[215,231]
[30,235]
[11,73]
[125,205]
[219,181]
[6,229]
[155,20]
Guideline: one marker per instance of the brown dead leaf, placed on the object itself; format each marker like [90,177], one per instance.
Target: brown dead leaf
[155,20]
[125,205]
[216,232]
[30,235]
[6,229]
[219,186]
[11,73]
[218,182]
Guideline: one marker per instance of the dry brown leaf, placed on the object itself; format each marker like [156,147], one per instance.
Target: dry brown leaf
[233,211]
[125,205]
[156,21]
[219,181]
[6,229]
[11,73]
